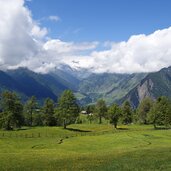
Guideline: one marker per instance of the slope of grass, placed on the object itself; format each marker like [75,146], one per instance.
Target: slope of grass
[86,147]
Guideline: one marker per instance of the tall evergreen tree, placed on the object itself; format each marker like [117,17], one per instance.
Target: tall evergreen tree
[143,109]
[90,109]
[48,112]
[67,109]
[101,109]
[114,113]
[160,113]
[29,109]
[126,113]
[12,110]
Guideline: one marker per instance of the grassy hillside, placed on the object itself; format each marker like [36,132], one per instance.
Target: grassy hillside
[86,147]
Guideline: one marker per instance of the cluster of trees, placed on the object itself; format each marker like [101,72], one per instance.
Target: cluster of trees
[113,113]
[156,112]
[14,114]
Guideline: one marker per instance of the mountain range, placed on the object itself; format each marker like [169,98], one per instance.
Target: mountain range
[88,87]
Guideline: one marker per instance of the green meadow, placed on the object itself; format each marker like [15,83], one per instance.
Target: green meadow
[86,147]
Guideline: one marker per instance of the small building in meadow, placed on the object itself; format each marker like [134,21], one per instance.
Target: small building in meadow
[84,112]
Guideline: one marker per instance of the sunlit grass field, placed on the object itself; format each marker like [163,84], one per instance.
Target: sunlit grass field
[86,147]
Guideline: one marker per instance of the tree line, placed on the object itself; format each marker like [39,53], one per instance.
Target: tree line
[156,112]
[15,114]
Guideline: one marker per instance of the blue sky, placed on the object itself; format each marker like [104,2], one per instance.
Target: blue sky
[101,20]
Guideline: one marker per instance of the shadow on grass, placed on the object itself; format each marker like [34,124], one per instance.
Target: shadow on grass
[77,130]
[23,129]
[161,128]
[122,129]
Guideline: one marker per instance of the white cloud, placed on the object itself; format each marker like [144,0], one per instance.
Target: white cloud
[23,43]
[141,53]
[56,52]
[18,36]
[54,18]
[68,47]
[38,32]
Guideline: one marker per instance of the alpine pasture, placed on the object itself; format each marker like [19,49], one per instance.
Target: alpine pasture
[86,147]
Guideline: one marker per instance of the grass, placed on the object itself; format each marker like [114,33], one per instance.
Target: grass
[86,147]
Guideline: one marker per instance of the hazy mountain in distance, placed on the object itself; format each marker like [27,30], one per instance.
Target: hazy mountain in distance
[88,87]
[109,86]
[79,73]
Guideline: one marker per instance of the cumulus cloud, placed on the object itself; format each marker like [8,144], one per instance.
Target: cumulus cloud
[68,47]
[18,34]
[141,53]
[56,52]
[23,42]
